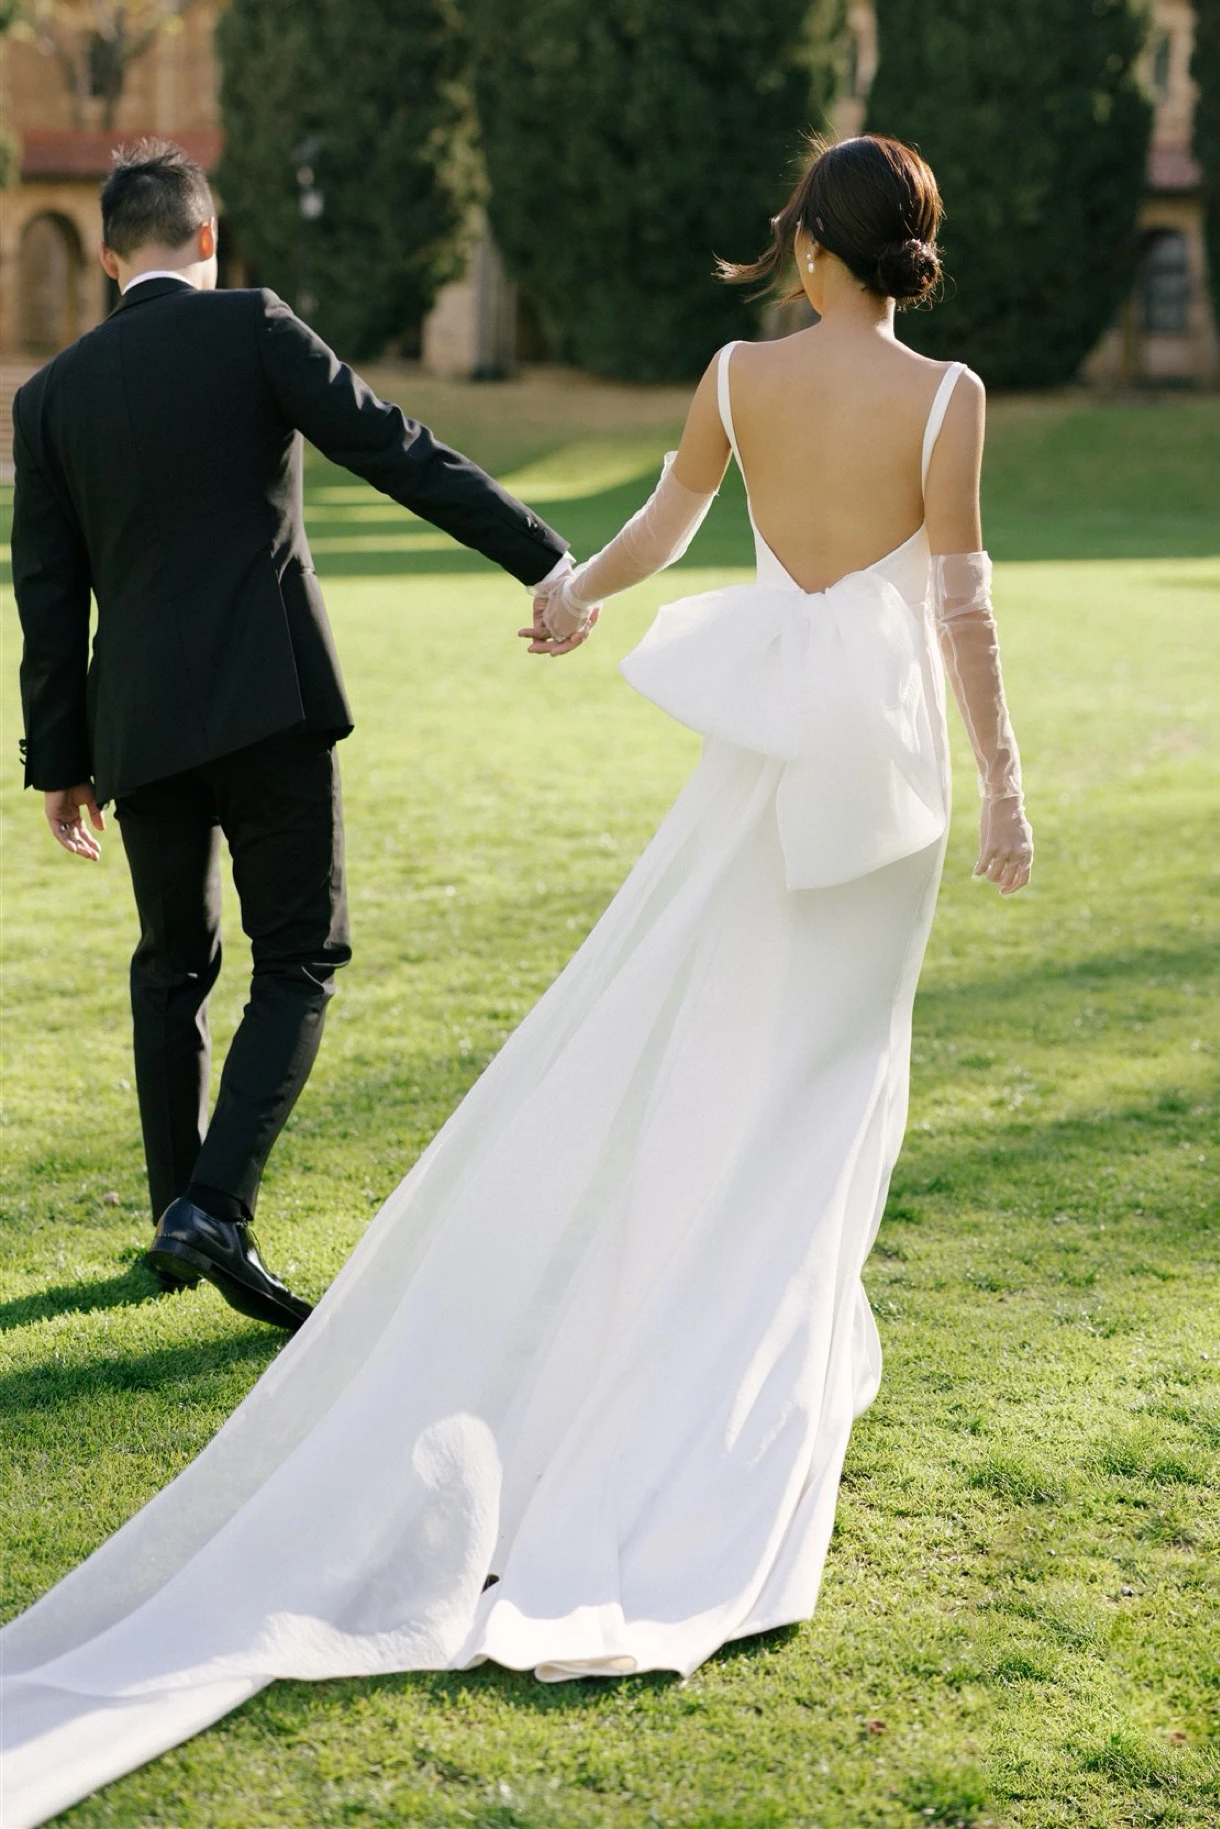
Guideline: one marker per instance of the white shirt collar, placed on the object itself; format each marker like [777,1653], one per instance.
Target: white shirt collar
[157,273]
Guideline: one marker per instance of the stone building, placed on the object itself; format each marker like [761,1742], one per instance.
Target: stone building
[51,286]
[1167,330]
[52,289]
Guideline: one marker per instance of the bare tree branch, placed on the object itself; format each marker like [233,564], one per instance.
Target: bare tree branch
[95,42]
[176,9]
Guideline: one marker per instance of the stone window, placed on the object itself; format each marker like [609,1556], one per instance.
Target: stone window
[1165,292]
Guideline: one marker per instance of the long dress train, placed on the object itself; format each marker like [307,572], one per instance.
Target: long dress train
[608,1337]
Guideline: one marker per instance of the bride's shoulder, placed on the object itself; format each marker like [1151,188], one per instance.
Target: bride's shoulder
[739,350]
[967,381]
[778,349]
[768,356]
[718,377]
[934,367]
[969,396]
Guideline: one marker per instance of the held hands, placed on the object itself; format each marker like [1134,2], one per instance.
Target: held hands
[558,625]
[568,601]
[65,810]
[1006,843]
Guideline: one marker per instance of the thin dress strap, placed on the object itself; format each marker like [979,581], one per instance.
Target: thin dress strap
[936,416]
[722,396]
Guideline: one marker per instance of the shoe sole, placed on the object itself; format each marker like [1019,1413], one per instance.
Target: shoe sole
[173,1275]
[168,1255]
[173,1282]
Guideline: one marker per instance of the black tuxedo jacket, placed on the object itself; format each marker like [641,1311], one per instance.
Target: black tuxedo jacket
[158,466]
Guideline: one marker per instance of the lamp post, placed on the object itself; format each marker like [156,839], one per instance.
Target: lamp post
[311,204]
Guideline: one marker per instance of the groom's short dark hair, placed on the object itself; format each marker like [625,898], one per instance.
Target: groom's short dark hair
[154,193]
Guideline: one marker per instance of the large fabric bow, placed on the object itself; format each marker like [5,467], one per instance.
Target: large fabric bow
[838,684]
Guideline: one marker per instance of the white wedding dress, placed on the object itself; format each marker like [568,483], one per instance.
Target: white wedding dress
[608,1337]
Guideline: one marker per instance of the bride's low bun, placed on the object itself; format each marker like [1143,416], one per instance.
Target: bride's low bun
[908,269]
[871,202]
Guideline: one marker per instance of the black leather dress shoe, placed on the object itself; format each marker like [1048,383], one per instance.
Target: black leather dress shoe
[190,1241]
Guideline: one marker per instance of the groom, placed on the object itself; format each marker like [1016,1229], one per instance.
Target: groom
[158,467]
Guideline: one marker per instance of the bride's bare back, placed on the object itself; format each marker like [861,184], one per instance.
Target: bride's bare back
[830,424]
[830,427]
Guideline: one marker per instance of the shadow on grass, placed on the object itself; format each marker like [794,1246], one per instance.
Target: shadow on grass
[1122,507]
[403,546]
[1004,999]
[1098,536]
[518,1689]
[1096,530]
[126,1290]
[1033,1159]
[726,542]
[59,1382]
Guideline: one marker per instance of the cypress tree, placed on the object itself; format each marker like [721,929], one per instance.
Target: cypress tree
[1205,68]
[628,144]
[1032,116]
[361,104]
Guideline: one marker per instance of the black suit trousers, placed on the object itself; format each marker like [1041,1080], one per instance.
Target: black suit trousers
[277,803]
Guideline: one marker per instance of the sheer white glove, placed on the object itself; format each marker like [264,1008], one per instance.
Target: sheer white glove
[970,644]
[654,537]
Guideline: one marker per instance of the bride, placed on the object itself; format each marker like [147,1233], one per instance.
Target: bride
[579,1401]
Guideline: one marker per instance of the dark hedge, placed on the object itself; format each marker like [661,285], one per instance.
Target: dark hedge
[381,86]
[628,144]
[1034,121]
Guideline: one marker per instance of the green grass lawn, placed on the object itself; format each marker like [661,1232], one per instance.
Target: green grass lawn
[1020,1623]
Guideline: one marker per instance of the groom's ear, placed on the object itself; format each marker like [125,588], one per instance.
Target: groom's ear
[109,260]
[207,240]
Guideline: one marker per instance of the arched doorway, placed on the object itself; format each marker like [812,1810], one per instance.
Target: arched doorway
[49,284]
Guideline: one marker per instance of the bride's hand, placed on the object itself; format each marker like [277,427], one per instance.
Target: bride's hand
[558,627]
[563,617]
[1006,844]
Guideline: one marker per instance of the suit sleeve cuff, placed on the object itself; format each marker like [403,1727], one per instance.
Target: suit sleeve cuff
[559,570]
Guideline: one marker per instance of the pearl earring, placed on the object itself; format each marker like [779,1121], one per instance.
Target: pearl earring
[809,262]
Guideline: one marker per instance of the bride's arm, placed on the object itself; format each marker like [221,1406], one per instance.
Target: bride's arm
[969,642]
[659,532]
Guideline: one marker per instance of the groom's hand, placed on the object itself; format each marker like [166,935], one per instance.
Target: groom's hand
[65,809]
[541,639]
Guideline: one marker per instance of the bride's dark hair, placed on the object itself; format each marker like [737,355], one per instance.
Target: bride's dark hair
[871,201]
